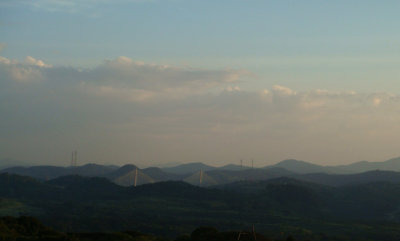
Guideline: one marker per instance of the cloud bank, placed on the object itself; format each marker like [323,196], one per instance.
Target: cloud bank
[129,111]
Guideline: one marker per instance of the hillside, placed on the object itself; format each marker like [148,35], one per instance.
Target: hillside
[190,173]
[75,203]
[188,168]
[302,167]
[351,179]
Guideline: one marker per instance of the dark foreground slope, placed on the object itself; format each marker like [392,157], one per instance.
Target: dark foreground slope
[169,209]
[28,228]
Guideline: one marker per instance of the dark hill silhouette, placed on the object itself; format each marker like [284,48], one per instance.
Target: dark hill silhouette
[39,172]
[50,172]
[363,166]
[121,171]
[352,179]
[126,175]
[300,167]
[91,170]
[189,168]
[226,176]
[78,203]
[9,162]
[233,167]
[75,186]
[159,175]
[16,186]
[176,189]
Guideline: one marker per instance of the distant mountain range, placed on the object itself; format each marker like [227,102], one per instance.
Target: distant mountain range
[303,167]
[8,162]
[205,175]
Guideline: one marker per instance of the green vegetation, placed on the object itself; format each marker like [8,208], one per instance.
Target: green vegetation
[277,208]
[30,229]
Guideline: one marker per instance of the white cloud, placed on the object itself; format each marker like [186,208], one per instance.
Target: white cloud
[282,90]
[124,78]
[161,80]
[234,88]
[30,71]
[376,101]
[36,62]
[5,60]
[164,112]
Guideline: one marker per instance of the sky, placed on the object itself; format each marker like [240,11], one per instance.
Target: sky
[152,82]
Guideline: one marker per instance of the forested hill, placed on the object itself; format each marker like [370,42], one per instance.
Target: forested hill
[304,209]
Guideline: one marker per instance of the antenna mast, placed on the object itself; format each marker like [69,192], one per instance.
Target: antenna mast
[74,158]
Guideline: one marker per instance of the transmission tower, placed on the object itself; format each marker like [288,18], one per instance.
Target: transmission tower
[74,158]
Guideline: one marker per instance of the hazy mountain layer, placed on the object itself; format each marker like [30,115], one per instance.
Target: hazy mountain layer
[128,175]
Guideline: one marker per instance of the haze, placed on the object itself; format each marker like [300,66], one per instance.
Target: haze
[154,82]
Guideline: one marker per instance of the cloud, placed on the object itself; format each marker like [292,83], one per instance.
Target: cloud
[5,60]
[282,90]
[130,80]
[124,78]
[126,110]
[28,71]
[36,62]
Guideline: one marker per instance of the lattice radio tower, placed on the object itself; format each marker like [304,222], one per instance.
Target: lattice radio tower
[74,159]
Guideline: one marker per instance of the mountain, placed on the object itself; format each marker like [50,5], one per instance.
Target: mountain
[121,171]
[363,166]
[50,172]
[75,186]
[158,175]
[301,170]
[39,172]
[250,174]
[351,179]
[206,180]
[83,204]
[188,168]
[300,167]
[126,175]
[91,170]
[129,179]
[8,162]
[303,167]
[233,167]
[16,186]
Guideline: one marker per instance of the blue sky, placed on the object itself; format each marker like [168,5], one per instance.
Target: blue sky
[330,66]
[350,44]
